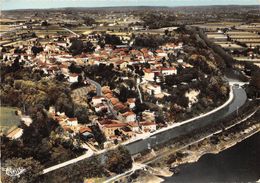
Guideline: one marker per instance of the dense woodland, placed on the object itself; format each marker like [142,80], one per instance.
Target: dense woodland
[114,161]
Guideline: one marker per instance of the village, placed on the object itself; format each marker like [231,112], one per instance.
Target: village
[109,94]
[116,119]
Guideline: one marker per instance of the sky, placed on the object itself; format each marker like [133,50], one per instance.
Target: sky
[31,4]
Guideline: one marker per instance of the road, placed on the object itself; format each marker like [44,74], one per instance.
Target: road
[165,134]
[139,92]
[71,31]
[111,109]
[136,166]
[99,93]
[98,86]
[88,154]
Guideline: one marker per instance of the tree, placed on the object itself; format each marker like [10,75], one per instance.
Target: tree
[118,160]
[44,23]
[89,21]
[73,68]
[16,65]
[183,101]
[88,168]
[98,135]
[10,148]
[81,112]
[3,49]
[32,170]
[112,39]
[76,47]
[36,50]
[80,79]
[166,32]
[101,43]
[88,47]
[253,89]
[64,104]
[155,20]
[40,128]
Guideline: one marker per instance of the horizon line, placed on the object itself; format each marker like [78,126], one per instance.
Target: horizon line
[148,6]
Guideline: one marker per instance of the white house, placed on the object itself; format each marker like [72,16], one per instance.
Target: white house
[134,126]
[100,107]
[72,121]
[52,109]
[161,53]
[131,102]
[64,69]
[148,115]
[129,116]
[73,78]
[180,60]
[26,119]
[97,100]
[154,89]
[121,64]
[137,27]
[148,75]
[148,126]
[168,71]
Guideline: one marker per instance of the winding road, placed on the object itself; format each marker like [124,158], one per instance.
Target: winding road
[99,93]
[71,31]
[98,86]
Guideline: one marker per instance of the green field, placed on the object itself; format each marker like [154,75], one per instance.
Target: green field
[8,118]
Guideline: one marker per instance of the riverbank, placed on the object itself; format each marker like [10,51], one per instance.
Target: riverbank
[212,145]
[196,151]
[239,163]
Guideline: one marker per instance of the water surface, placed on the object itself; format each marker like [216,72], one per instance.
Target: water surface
[240,163]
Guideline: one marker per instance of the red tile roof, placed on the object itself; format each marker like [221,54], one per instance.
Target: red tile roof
[147,123]
[159,51]
[128,113]
[115,125]
[131,100]
[97,97]
[109,95]
[85,129]
[114,101]
[133,124]
[74,75]
[168,69]
[119,106]
[72,119]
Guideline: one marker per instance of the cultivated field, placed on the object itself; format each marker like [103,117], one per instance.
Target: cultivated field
[8,118]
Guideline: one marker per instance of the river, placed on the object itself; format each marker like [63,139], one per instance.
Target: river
[240,163]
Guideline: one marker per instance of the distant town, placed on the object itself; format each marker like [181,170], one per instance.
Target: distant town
[100,94]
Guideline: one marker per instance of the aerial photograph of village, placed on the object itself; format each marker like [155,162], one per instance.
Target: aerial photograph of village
[130,91]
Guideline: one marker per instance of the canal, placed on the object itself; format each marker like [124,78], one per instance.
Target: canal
[240,98]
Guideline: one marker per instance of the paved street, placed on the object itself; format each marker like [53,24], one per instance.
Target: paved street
[71,31]
[98,86]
